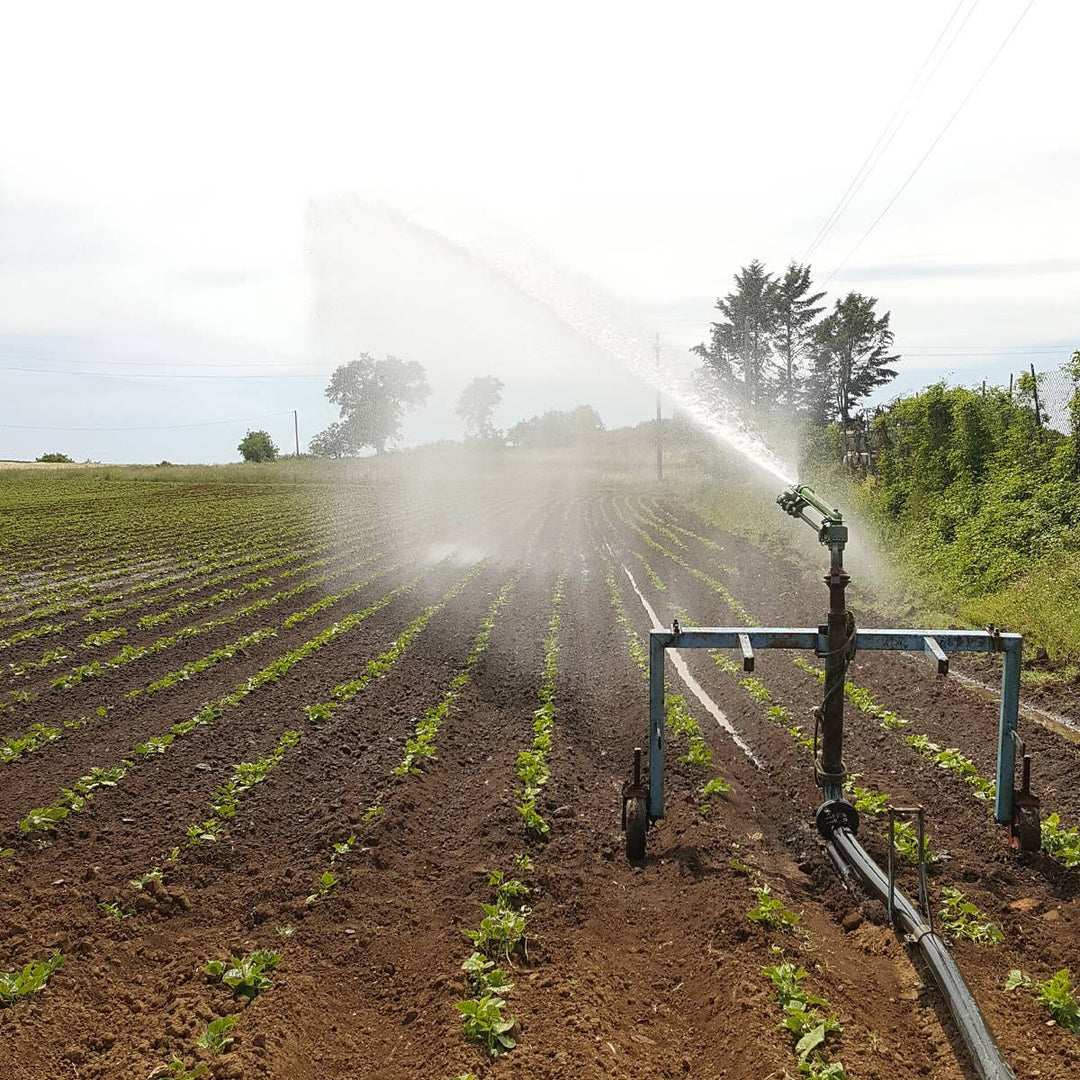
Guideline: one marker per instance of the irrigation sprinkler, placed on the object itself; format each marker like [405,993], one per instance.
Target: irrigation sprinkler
[836,643]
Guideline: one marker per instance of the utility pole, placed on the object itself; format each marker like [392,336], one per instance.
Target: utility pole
[296,431]
[1035,393]
[659,437]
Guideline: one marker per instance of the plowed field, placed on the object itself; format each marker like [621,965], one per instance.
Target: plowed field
[241,719]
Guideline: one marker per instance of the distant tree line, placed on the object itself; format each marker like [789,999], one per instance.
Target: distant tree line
[774,348]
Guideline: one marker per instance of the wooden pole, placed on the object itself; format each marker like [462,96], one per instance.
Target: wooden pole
[296,431]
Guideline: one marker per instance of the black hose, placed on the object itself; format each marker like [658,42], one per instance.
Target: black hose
[850,856]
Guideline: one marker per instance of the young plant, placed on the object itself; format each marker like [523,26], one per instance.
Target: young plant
[716,786]
[16,985]
[961,919]
[327,881]
[216,1037]
[771,912]
[484,1022]
[1055,993]
[245,976]
[115,911]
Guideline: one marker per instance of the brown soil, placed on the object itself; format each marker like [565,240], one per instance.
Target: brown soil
[631,972]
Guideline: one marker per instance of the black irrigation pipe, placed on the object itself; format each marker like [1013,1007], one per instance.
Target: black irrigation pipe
[851,858]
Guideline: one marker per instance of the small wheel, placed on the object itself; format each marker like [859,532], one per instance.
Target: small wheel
[636,824]
[1028,829]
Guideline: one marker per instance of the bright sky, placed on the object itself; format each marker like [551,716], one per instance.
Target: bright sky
[233,189]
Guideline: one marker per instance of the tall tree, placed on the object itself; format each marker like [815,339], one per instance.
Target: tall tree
[851,347]
[475,405]
[793,332]
[372,396]
[742,341]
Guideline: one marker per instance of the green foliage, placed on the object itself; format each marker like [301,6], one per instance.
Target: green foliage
[867,800]
[1055,993]
[716,786]
[906,839]
[245,976]
[961,919]
[115,911]
[484,1022]
[16,985]
[1062,843]
[177,1070]
[981,502]
[771,912]
[216,1037]
[55,458]
[372,396]
[326,882]
[804,1019]
[257,446]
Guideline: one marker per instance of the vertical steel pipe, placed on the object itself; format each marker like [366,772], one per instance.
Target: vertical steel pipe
[1007,726]
[656,727]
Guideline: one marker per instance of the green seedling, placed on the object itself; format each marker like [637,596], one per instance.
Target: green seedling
[1055,993]
[372,812]
[961,919]
[906,839]
[216,1037]
[804,1020]
[509,892]
[501,932]
[716,786]
[177,1070]
[115,911]
[342,848]
[1063,844]
[284,931]
[244,976]
[771,912]
[16,985]
[326,882]
[484,1022]
[523,862]
[536,828]
[485,977]
[741,868]
[867,800]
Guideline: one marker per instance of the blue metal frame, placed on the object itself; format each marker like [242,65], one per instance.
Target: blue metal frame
[935,643]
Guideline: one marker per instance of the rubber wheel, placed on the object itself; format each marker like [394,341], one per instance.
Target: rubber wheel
[1028,830]
[636,825]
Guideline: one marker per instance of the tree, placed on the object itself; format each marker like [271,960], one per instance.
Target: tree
[793,331]
[55,459]
[851,347]
[743,341]
[372,396]
[257,446]
[475,405]
[556,428]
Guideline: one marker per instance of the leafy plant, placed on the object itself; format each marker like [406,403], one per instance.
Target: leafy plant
[867,800]
[327,881]
[177,1070]
[484,1022]
[804,1020]
[1063,844]
[771,912]
[1055,993]
[716,786]
[216,1037]
[501,931]
[16,985]
[523,862]
[245,976]
[485,977]
[906,839]
[962,919]
[115,911]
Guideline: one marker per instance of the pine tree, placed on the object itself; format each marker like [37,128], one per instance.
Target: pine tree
[793,336]
[851,354]
[742,343]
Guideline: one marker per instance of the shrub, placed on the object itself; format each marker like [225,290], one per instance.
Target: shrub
[257,446]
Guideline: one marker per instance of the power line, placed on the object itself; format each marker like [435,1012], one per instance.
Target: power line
[152,375]
[153,427]
[919,164]
[856,183]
